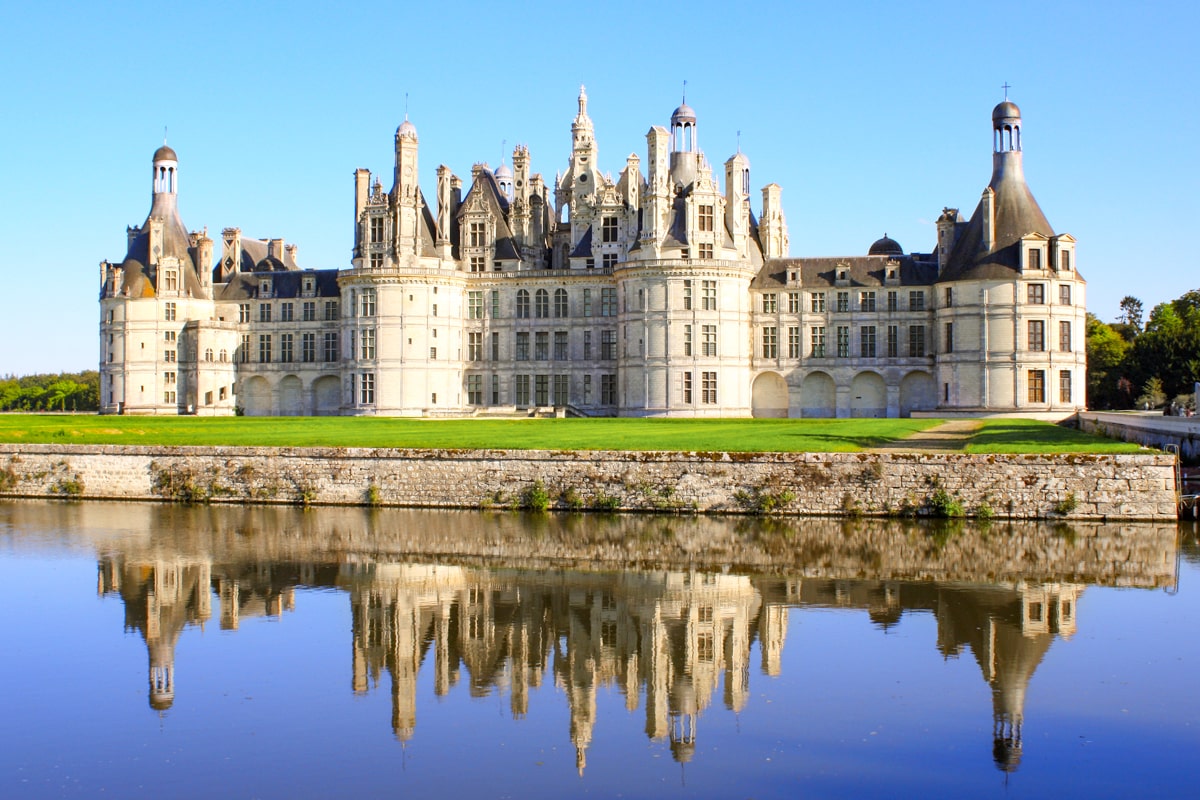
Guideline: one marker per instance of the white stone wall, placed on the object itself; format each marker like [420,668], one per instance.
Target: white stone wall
[1015,486]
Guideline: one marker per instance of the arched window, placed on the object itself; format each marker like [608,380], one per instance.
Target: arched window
[560,302]
[208,354]
[224,355]
[522,304]
[542,304]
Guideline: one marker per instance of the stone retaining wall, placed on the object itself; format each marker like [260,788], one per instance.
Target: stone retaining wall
[1026,486]
[1149,430]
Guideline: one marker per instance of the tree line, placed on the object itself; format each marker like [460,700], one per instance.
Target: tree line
[1147,366]
[65,391]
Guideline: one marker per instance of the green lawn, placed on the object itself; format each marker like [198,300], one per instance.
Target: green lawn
[1031,436]
[740,435]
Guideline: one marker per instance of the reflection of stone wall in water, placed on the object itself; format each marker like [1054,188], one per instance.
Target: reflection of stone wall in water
[433,590]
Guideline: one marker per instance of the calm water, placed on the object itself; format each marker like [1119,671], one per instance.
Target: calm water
[156,651]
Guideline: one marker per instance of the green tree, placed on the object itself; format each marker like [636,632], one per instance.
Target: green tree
[1106,350]
[1131,312]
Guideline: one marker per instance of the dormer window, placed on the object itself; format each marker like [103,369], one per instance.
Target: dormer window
[1064,260]
[264,289]
[1034,260]
[171,281]
[308,286]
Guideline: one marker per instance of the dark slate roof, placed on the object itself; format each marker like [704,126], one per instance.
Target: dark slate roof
[176,243]
[486,188]
[584,248]
[287,285]
[885,247]
[864,271]
[677,229]
[1017,215]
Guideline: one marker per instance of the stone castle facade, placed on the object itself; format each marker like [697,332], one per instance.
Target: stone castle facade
[659,293]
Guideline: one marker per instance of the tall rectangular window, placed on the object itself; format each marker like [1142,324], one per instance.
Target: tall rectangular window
[770,303]
[366,343]
[608,345]
[1064,294]
[608,229]
[331,347]
[893,302]
[893,341]
[587,302]
[818,341]
[866,341]
[475,305]
[916,301]
[285,312]
[866,301]
[366,303]
[916,341]
[310,311]
[948,341]
[608,390]
[1064,336]
[706,218]
[169,312]
[495,346]
[264,312]
[1037,386]
[264,348]
[843,341]
[687,340]
[475,346]
[541,390]
[1064,260]
[1036,293]
[521,397]
[475,390]
[1035,259]
[495,303]
[308,347]
[1037,335]
[244,350]
[816,302]
[708,387]
[843,301]
[522,353]
[687,295]
[949,296]
[243,312]
[376,230]
[793,302]
[1064,386]
[561,304]
[331,310]
[522,304]
[366,388]
[708,334]
[708,291]
[478,234]
[770,342]
[687,388]
[793,332]
[561,390]
[560,346]
[587,345]
[286,345]
[608,302]
[541,346]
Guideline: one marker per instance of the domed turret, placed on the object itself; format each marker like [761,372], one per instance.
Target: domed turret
[886,247]
[406,130]
[684,113]
[1006,110]
[165,153]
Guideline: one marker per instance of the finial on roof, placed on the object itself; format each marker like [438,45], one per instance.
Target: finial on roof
[684,93]
[739,141]
[1006,87]
[164,135]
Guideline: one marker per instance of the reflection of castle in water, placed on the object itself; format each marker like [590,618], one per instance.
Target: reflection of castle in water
[676,637]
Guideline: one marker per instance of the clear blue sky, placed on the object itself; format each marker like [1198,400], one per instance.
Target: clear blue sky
[871,116]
